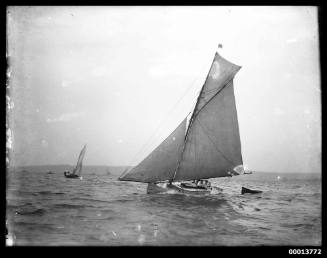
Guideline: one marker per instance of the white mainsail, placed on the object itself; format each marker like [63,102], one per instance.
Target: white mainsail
[210,147]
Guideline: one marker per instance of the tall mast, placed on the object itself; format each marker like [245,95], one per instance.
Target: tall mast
[191,121]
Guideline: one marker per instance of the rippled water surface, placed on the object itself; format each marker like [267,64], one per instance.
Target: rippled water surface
[49,209]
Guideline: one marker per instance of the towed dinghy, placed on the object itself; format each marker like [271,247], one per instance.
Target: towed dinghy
[247,190]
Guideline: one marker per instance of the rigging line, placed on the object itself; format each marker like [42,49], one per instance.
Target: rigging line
[161,133]
[155,134]
[144,147]
[217,149]
[209,91]
[162,122]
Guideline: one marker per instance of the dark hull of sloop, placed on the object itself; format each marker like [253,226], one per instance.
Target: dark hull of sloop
[72,176]
[247,190]
[176,188]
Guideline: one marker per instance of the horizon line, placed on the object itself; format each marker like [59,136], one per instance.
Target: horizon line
[256,171]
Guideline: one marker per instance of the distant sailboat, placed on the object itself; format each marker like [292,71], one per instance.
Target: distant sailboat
[205,146]
[78,169]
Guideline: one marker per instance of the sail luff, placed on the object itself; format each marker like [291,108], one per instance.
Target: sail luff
[191,120]
[198,99]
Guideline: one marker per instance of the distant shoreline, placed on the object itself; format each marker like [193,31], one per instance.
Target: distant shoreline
[117,169]
[87,169]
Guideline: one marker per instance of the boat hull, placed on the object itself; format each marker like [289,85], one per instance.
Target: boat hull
[247,190]
[176,188]
[72,176]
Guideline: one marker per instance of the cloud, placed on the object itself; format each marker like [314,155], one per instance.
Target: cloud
[68,83]
[291,40]
[158,72]
[167,70]
[288,75]
[65,117]
[44,143]
[99,71]
[278,111]
[65,84]
[307,111]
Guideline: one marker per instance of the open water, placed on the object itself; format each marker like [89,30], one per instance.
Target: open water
[49,209]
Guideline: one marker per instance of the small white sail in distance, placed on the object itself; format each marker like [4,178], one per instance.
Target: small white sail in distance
[78,168]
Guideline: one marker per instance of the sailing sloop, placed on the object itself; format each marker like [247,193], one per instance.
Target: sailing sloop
[78,169]
[206,146]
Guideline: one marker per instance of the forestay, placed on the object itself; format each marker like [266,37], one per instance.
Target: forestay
[161,163]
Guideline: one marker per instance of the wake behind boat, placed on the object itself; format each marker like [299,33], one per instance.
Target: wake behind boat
[78,169]
[204,145]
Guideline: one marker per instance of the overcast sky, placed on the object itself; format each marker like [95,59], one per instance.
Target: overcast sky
[122,78]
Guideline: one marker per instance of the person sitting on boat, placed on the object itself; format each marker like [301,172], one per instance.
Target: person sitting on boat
[66,173]
[200,182]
